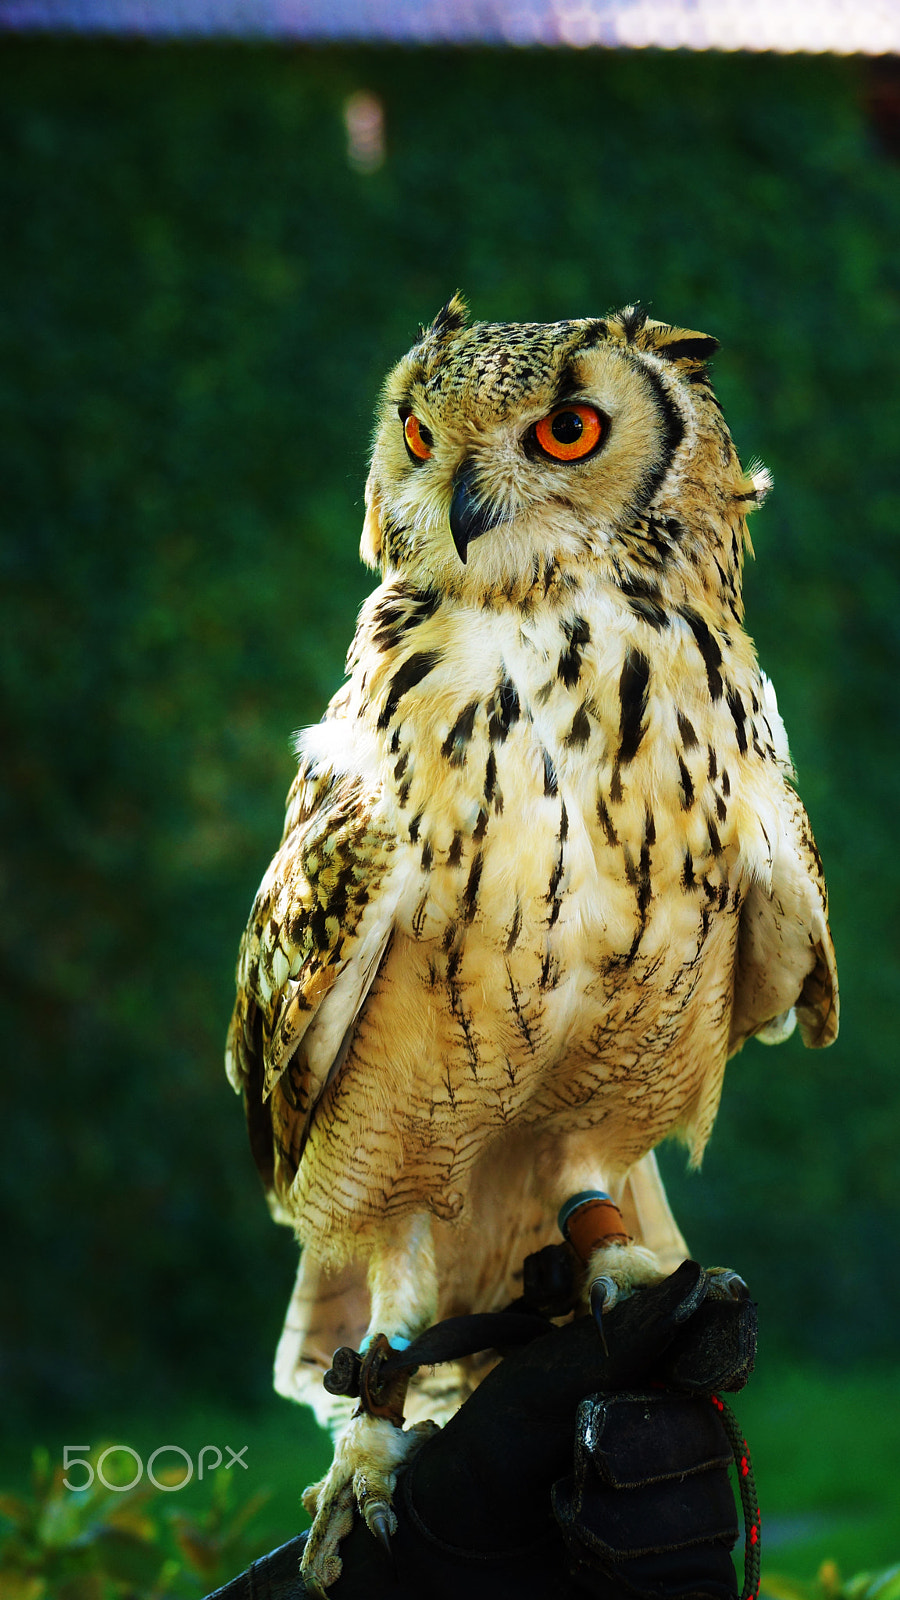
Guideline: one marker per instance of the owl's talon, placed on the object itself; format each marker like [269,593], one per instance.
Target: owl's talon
[727,1285]
[382,1523]
[362,1478]
[604,1294]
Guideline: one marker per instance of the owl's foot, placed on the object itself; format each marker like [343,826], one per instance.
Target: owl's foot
[615,1270]
[367,1457]
[615,1266]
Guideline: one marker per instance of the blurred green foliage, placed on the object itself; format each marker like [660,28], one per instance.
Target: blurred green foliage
[828,1585]
[824,1446]
[108,1541]
[199,296]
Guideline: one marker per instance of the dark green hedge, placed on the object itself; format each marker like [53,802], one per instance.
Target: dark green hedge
[198,299]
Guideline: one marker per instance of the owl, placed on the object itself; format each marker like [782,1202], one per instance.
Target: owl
[543,867]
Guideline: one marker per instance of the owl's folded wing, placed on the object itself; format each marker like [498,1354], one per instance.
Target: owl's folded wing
[785,970]
[319,928]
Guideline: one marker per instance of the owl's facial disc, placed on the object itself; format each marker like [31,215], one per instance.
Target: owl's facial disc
[470,514]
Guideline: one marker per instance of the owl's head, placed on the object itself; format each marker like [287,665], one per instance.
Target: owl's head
[504,450]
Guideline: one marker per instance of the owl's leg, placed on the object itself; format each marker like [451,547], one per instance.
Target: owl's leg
[648,1215]
[617,1258]
[371,1449]
[403,1281]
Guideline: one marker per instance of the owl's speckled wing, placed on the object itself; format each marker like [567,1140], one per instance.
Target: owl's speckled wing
[786,966]
[317,933]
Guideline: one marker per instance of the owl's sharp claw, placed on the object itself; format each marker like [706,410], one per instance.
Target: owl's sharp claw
[604,1293]
[381,1521]
[727,1285]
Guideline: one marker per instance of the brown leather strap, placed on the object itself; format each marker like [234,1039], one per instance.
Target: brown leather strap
[593,1224]
[382,1392]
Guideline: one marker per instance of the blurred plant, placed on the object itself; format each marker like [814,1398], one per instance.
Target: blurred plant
[103,1543]
[829,1585]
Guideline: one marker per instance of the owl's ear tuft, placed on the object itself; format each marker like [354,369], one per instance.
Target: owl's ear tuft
[632,319]
[684,346]
[371,540]
[451,317]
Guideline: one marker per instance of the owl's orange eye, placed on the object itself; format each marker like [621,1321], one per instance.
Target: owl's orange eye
[419,439]
[571,432]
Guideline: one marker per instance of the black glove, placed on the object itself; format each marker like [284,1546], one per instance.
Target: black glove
[491,1507]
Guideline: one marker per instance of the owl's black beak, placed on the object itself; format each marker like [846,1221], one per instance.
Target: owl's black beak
[470,514]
